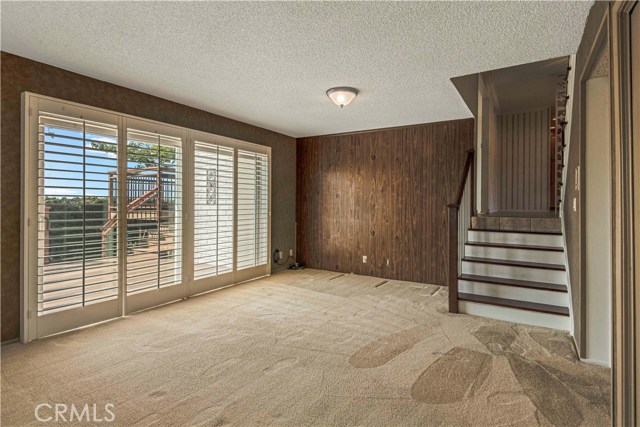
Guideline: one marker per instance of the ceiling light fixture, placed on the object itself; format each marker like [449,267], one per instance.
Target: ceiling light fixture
[342,95]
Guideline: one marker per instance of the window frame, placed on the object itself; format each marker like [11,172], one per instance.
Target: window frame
[143,300]
[124,304]
[216,282]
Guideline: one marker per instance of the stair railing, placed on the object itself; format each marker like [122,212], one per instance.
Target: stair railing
[458,222]
[145,190]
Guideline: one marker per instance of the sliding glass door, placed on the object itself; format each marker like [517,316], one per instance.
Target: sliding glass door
[252,214]
[213,215]
[122,214]
[154,181]
[231,206]
[72,265]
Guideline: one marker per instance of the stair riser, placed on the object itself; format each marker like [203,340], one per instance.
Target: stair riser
[514,293]
[511,254]
[515,315]
[512,272]
[515,238]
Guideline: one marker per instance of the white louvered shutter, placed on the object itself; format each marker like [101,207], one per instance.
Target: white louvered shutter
[213,210]
[77,208]
[154,211]
[252,209]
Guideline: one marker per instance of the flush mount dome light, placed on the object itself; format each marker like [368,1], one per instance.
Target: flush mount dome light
[342,95]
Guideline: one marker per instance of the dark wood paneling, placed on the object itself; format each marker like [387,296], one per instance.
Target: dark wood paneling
[382,194]
[21,74]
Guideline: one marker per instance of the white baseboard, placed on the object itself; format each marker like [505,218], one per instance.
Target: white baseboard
[596,362]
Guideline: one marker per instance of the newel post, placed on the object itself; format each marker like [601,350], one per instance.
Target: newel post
[452,256]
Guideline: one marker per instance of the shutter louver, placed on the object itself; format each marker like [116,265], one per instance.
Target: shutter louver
[252,209]
[77,256]
[213,210]
[154,211]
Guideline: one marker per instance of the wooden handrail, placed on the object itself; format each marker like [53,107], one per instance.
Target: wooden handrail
[468,164]
[452,230]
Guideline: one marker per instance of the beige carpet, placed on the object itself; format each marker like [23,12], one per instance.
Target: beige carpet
[310,348]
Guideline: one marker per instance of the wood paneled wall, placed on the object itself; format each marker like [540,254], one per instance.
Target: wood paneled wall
[382,194]
[524,163]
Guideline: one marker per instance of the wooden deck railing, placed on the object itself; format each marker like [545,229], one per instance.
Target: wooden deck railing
[146,190]
[452,229]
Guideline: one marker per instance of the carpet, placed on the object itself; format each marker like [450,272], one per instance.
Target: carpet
[308,348]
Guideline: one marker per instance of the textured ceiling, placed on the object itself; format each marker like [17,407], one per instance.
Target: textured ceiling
[270,63]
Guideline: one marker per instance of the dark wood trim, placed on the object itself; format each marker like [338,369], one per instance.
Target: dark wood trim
[539,265]
[472,186]
[468,165]
[452,229]
[553,287]
[452,255]
[515,246]
[521,305]
[453,210]
[550,233]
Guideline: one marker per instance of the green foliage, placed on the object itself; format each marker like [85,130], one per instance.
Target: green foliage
[141,153]
[72,203]
[65,218]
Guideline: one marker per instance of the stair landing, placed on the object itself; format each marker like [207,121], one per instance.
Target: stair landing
[541,222]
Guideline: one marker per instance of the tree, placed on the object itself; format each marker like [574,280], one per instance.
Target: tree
[143,154]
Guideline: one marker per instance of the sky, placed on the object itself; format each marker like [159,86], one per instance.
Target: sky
[63,169]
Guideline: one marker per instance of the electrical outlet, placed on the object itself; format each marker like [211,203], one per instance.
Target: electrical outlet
[280,255]
[290,252]
[364,259]
[387,262]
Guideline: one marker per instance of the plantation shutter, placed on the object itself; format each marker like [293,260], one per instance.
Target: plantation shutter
[103,220]
[213,210]
[252,209]
[154,211]
[77,212]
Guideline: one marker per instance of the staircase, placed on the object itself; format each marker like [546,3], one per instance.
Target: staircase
[518,276]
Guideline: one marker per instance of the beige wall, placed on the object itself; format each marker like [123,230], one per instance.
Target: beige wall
[571,217]
[486,148]
[493,160]
[597,212]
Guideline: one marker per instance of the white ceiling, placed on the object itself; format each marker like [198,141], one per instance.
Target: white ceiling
[270,63]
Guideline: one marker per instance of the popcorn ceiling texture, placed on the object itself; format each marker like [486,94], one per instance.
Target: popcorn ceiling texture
[269,64]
